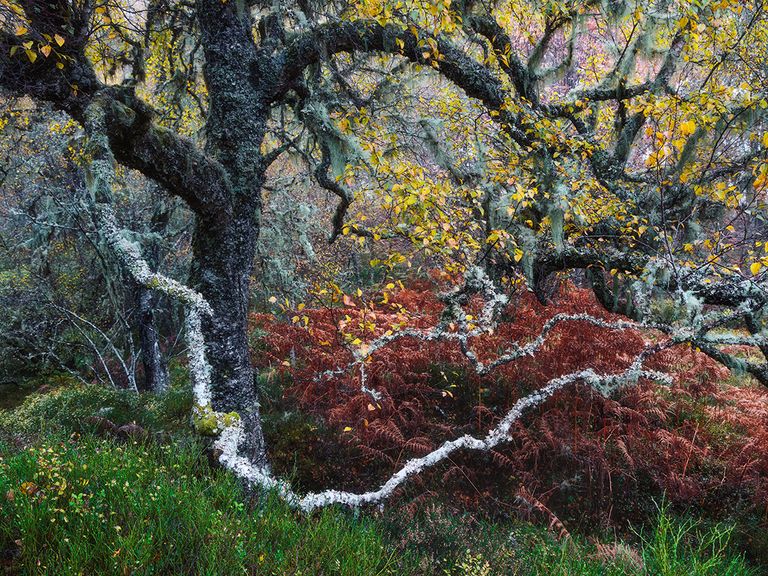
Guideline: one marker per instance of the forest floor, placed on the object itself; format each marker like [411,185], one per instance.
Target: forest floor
[11,395]
[77,499]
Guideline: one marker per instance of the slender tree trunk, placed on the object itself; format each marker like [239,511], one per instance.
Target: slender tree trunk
[156,377]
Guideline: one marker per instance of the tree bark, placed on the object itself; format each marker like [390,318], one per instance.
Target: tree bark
[155,364]
[153,361]
[224,256]
[225,245]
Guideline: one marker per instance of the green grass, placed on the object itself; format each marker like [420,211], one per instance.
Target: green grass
[461,545]
[672,547]
[86,505]
[81,504]
[683,547]
[74,503]
[65,409]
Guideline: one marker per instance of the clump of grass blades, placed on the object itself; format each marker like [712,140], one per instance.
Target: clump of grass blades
[467,546]
[672,547]
[683,547]
[88,505]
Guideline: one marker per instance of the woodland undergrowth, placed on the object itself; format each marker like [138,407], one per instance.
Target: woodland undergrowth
[582,460]
[655,480]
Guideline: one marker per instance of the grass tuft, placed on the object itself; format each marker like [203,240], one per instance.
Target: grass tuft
[86,505]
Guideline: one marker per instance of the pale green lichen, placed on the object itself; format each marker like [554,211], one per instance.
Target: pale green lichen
[230,419]
[207,422]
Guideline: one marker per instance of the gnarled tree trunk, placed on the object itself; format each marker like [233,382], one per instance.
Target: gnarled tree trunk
[224,255]
[225,238]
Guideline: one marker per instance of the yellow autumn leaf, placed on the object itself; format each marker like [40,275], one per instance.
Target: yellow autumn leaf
[755,268]
[45,50]
[688,128]
[59,39]
[347,429]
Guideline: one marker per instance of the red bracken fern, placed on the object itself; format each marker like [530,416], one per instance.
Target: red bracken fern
[699,437]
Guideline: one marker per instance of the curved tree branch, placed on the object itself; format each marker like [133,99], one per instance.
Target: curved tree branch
[136,141]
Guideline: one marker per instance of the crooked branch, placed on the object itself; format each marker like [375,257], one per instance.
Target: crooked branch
[100,176]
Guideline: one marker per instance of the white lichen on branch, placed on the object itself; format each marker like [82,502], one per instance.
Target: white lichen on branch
[229,428]
[494,303]
[100,178]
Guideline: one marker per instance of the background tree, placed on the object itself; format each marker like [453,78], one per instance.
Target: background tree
[68,304]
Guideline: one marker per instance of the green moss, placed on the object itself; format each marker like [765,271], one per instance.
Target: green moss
[207,422]
[68,406]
